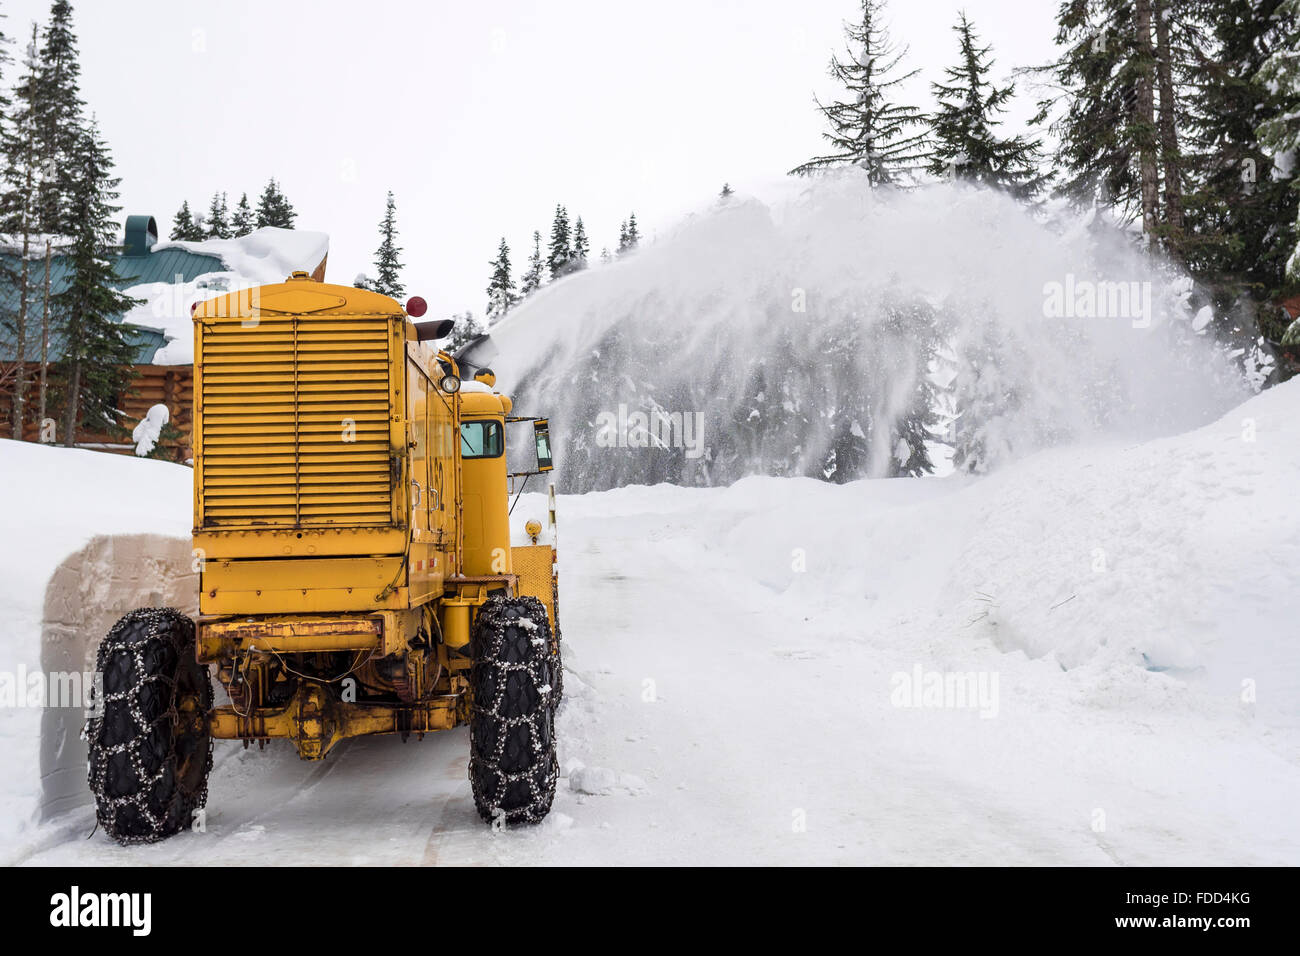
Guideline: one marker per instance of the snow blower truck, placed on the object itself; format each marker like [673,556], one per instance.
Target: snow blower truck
[356,566]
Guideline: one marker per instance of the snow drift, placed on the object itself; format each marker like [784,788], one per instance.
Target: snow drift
[837,331]
[1130,607]
[84,538]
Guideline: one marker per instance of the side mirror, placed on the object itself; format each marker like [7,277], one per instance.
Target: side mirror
[542,439]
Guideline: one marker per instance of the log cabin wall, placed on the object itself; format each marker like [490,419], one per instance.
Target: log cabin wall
[170,385]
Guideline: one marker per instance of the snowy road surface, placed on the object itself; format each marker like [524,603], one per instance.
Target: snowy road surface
[739,658]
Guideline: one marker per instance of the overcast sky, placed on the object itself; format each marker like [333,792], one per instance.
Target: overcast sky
[481,116]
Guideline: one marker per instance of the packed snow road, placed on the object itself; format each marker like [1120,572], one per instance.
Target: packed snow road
[1088,658]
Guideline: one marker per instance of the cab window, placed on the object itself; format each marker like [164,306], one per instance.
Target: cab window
[481,439]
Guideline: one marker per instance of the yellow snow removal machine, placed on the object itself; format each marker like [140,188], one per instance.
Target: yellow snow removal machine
[356,566]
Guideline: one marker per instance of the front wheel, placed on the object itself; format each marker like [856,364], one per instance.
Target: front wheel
[149,748]
[512,765]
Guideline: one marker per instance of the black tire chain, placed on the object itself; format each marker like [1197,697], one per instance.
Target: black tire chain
[518,628]
[156,640]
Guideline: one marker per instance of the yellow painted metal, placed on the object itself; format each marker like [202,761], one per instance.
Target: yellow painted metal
[535,566]
[335,516]
[220,638]
[315,720]
[305,543]
[486,515]
[294,431]
[388,632]
[320,432]
[455,620]
[255,586]
[434,487]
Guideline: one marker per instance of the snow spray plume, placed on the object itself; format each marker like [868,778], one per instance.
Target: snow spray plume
[841,332]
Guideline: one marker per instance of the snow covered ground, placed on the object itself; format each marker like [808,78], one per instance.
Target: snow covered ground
[741,666]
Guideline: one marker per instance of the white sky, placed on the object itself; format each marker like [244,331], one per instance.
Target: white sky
[480,116]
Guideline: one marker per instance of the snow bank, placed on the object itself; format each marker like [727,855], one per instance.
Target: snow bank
[740,661]
[1133,609]
[86,537]
[264,256]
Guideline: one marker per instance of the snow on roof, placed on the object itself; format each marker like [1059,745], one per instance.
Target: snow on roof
[12,245]
[264,256]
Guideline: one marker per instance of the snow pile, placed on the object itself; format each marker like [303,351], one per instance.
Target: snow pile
[1131,610]
[811,334]
[264,256]
[86,537]
[1086,658]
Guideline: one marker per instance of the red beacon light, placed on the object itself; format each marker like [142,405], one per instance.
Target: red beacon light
[416,307]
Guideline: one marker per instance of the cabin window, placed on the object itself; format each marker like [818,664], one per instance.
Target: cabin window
[481,440]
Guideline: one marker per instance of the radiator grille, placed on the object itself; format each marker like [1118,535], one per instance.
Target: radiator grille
[276,402]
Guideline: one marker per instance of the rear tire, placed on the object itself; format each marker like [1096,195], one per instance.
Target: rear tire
[512,765]
[149,750]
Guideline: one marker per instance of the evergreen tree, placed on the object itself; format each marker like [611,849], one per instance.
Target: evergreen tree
[1174,48]
[604,255]
[273,209]
[17,220]
[629,236]
[1242,207]
[726,191]
[581,246]
[5,60]
[965,144]
[532,278]
[242,222]
[868,129]
[982,398]
[184,226]
[1280,132]
[466,330]
[218,225]
[560,254]
[1116,142]
[58,110]
[501,289]
[95,367]
[387,264]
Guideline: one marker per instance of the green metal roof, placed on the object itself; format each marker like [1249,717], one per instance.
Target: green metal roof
[164,265]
